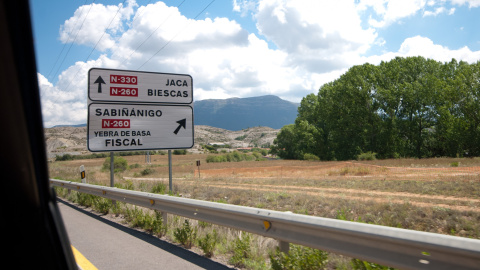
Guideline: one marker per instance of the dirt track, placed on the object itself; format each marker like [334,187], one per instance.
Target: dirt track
[366,195]
[289,176]
[257,178]
[343,170]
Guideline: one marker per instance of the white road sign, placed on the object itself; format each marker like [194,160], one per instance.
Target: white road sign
[110,85]
[127,127]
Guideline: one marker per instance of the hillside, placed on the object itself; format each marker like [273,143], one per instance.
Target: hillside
[73,140]
[241,113]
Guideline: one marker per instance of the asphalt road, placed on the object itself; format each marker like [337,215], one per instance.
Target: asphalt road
[108,245]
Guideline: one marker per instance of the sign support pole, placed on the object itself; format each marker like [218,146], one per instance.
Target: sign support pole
[112,174]
[111,169]
[170,170]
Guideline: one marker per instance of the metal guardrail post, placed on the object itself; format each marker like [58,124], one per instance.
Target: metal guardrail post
[165,218]
[284,246]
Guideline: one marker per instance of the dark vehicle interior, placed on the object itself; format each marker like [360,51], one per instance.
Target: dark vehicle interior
[35,234]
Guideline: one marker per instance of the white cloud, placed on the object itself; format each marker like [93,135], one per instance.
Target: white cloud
[425,47]
[161,25]
[66,102]
[471,3]
[96,25]
[437,11]
[317,35]
[244,6]
[316,42]
[392,11]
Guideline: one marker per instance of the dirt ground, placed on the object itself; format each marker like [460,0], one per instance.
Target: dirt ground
[304,177]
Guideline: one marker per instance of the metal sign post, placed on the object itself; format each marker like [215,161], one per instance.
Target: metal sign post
[170,170]
[112,174]
[111,169]
[147,157]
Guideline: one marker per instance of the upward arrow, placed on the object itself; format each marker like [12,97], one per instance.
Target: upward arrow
[181,123]
[99,81]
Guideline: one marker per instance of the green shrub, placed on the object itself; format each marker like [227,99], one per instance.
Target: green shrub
[367,156]
[141,219]
[133,166]
[84,199]
[159,188]
[134,216]
[128,185]
[64,157]
[241,251]
[308,156]
[363,265]
[180,152]
[248,157]
[156,226]
[216,158]
[203,224]
[234,157]
[147,171]
[208,243]
[241,138]
[119,164]
[186,235]
[454,164]
[102,205]
[299,257]
[259,158]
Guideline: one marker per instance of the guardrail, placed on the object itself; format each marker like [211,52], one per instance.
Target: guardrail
[399,248]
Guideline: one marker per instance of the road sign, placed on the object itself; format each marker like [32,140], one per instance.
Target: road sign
[128,127]
[110,85]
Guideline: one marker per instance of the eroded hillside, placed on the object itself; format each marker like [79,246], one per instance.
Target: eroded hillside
[73,140]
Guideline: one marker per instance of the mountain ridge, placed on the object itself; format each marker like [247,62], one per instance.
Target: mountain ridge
[240,113]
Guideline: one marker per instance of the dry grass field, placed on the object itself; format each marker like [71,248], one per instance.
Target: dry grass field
[440,195]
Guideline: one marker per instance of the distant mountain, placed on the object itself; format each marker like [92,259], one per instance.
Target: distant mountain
[241,113]
[79,125]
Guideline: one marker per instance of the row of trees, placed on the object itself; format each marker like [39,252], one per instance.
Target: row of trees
[407,107]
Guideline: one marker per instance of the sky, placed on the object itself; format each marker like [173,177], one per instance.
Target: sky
[238,48]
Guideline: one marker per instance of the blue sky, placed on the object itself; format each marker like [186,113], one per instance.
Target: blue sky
[238,48]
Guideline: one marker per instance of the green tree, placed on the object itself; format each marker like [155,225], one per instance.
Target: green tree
[406,107]
[285,145]
[469,108]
